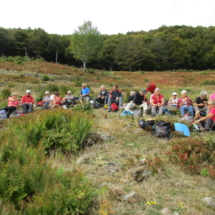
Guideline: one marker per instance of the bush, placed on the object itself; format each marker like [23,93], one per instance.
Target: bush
[5,93]
[28,179]
[74,69]
[52,87]
[208,82]
[45,78]
[195,155]
[91,71]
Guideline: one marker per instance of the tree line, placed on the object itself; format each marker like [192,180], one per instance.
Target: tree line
[165,48]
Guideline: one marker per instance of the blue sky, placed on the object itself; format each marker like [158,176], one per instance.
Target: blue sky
[111,17]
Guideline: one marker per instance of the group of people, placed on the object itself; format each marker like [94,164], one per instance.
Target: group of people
[204,109]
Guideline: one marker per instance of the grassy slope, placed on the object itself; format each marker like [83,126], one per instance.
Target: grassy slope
[170,186]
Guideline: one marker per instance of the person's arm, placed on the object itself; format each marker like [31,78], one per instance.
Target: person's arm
[170,102]
[32,100]
[87,93]
[152,101]
[210,115]
[23,100]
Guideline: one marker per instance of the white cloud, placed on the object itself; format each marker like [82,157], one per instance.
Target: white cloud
[111,17]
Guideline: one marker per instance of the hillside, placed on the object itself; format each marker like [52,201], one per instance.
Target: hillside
[131,171]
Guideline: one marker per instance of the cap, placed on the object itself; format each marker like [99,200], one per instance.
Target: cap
[69,91]
[174,94]
[28,91]
[183,91]
[47,92]
[144,91]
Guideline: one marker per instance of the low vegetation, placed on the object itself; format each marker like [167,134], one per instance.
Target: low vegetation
[46,168]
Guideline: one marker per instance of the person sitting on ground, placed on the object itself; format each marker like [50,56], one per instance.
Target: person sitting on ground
[115,96]
[173,101]
[157,102]
[185,104]
[27,102]
[13,103]
[208,122]
[102,96]
[58,101]
[69,99]
[200,103]
[140,100]
[85,92]
[47,99]
[131,96]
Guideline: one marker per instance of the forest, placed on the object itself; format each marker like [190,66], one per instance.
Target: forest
[166,48]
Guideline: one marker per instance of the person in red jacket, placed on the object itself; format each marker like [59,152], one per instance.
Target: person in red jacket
[27,102]
[150,87]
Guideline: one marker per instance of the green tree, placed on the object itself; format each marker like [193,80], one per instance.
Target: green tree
[86,42]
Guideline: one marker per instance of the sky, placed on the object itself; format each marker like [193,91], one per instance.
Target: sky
[110,16]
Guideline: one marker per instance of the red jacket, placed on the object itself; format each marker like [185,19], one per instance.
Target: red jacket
[28,99]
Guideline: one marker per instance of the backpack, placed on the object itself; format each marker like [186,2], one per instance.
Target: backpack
[3,114]
[114,107]
[162,129]
[147,124]
[97,106]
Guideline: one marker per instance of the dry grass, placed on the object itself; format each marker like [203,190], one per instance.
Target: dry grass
[170,186]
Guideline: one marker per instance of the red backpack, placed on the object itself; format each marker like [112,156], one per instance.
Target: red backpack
[114,107]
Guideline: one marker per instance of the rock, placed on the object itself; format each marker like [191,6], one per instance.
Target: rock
[166,211]
[83,159]
[116,191]
[105,136]
[143,161]
[131,197]
[92,139]
[137,130]
[209,201]
[139,173]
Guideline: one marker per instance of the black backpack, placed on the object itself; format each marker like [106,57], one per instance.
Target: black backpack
[162,129]
[147,124]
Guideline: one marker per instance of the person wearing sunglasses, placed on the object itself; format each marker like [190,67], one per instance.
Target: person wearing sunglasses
[207,123]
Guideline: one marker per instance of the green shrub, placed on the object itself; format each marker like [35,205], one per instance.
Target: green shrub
[52,87]
[45,78]
[11,85]
[28,183]
[91,71]
[5,93]
[208,82]
[74,69]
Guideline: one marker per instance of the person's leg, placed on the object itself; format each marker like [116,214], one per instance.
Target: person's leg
[190,109]
[87,99]
[110,101]
[145,108]
[153,110]
[106,100]
[208,124]
[129,106]
[120,101]
[25,110]
[11,109]
[30,108]
[196,109]
[160,110]
[94,101]
[182,109]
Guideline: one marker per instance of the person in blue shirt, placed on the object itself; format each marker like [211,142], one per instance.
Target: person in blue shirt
[85,92]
